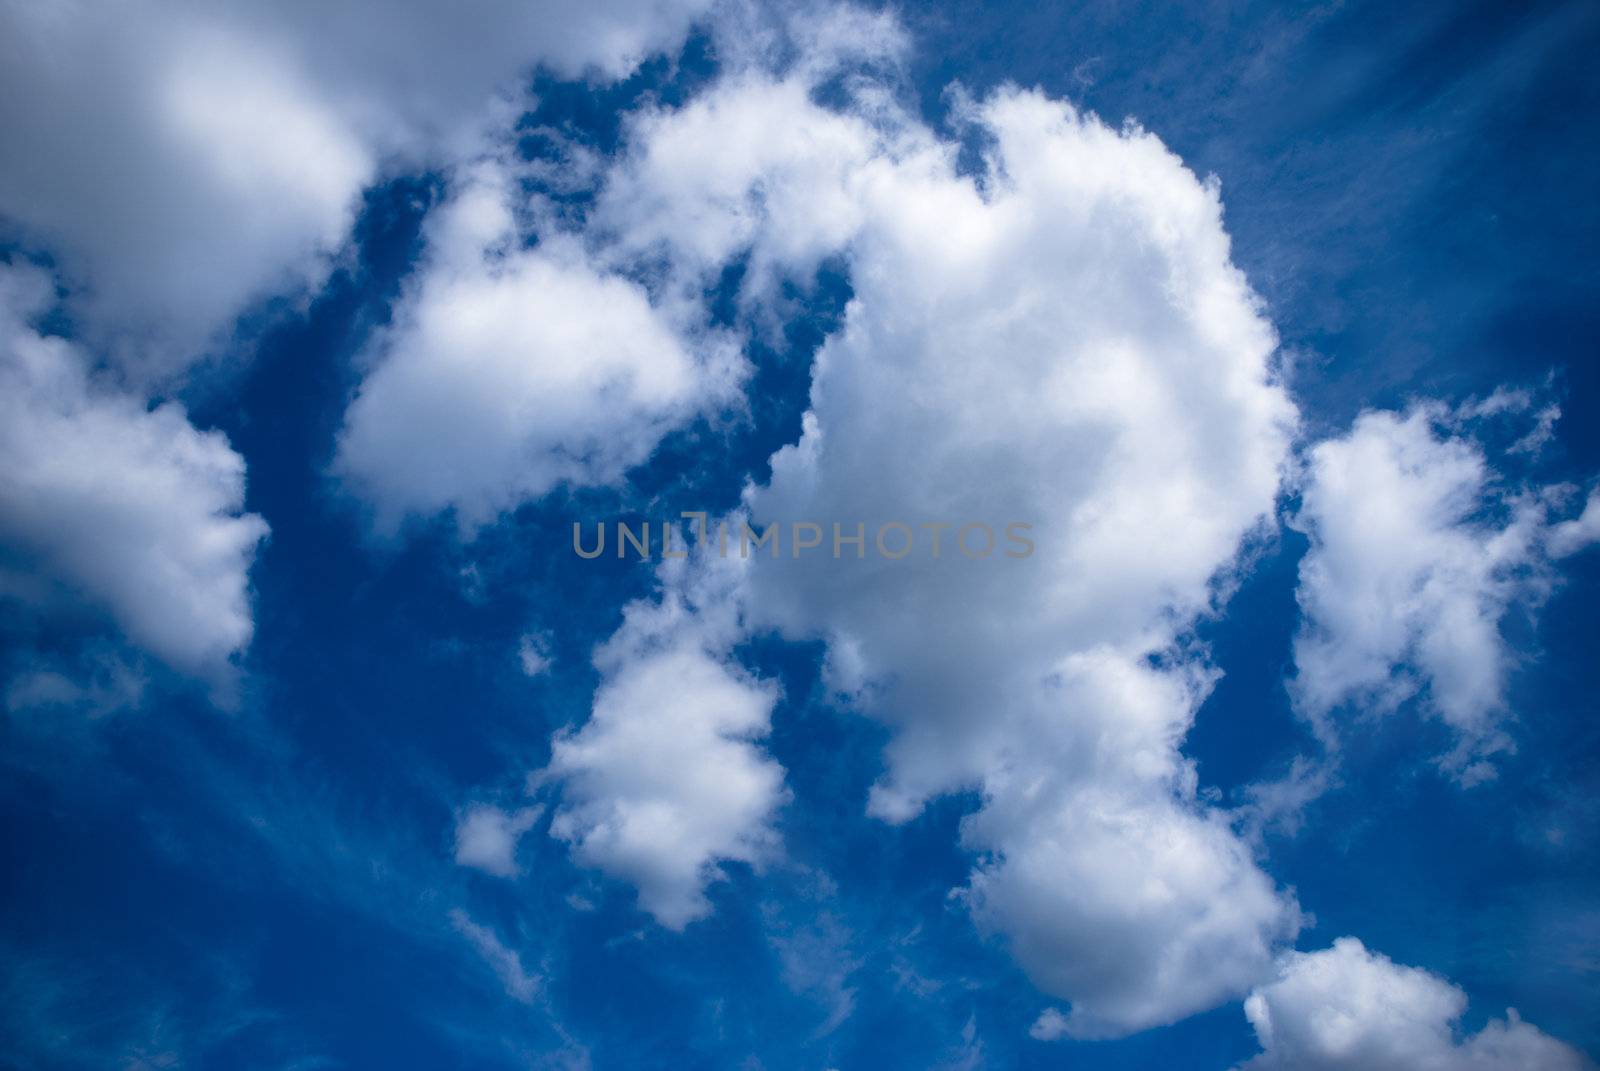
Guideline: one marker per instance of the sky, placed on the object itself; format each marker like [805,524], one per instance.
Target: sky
[1241,359]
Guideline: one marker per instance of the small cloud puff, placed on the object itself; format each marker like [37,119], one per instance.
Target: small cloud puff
[1050,1026]
[486,838]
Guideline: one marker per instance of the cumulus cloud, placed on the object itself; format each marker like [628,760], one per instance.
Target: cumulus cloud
[532,366]
[1349,1009]
[667,781]
[1114,887]
[510,370]
[752,166]
[1060,341]
[1418,552]
[239,136]
[486,837]
[106,500]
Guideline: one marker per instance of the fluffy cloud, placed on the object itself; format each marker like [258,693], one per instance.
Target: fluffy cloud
[105,499]
[186,158]
[530,367]
[752,166]
[666,779]
[1348,1009]
[1060,341]
[486,837]
[1418,551]
[1569,537]
[510,370]
[180,161]
[1112,885]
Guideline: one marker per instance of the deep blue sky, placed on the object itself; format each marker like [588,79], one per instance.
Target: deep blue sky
[1410,189]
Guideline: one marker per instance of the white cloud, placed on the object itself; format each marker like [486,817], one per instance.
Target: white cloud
[1064,343]
[1061,341]
[536,367]
[218,152]
[506,964]
[533,654]
[1050,1026]
[509,371]
[751,165]
[1348,1009]
[215,158]
[486,837]
[1114,887]
[1418,551]
[666,780]
[107,500]
[1568,537]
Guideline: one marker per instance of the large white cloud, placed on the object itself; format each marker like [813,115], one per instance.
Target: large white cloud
[106,499]
[183,159]
[1349,1009]
[1060,341]
[509,370]
[667,780]
[1418,551]
[1067,345]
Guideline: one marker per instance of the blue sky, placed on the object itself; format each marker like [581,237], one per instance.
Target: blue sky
[322,749]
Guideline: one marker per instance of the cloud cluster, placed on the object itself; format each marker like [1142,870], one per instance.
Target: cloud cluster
[1349,1009]
[1055,336]
[179,162]
[514,365]
[105,500]
[1046,328]
[1059,340]
[184,159]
